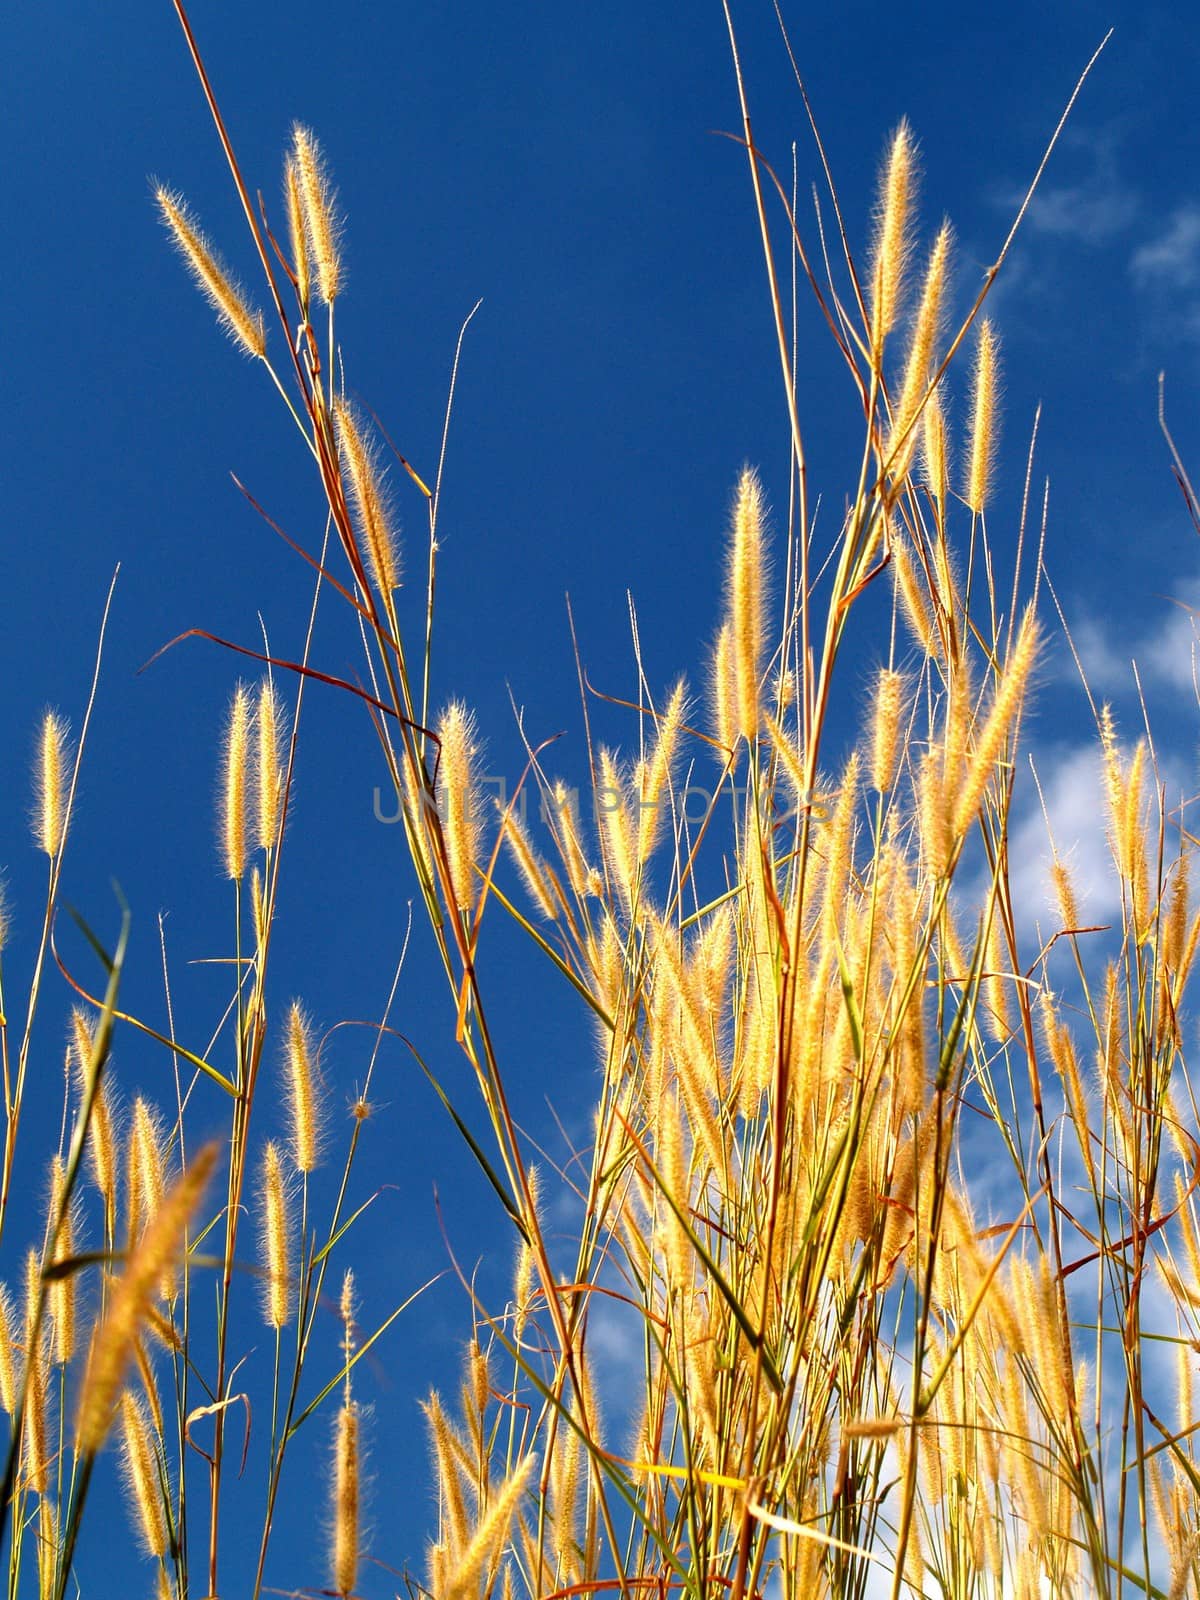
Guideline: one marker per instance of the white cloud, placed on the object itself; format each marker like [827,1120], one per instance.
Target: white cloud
[1093,211]
[1073,789]
[1165,654]
[1171,260]
[1095,207]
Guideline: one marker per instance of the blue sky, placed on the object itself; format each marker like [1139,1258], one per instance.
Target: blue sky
[560,162]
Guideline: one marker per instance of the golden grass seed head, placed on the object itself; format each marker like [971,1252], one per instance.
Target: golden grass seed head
[346,1501]
[568,836]
[101,1133]
[145,1168]
[985,422]
[51,783]
[523,1278]
[346,1310]
[746,601]
[935,449]
[297,234]
[276,1240]
[789,756]
[921,356]
[115,1335]
[8,1364]
[722,689]
[1007,704]
[1038,1297]
[140,1467]
[656,780]
[270,730]
[236,766]
[479,1562]
[149,1384]
[838,847]
[1175,923]
[60,1295]
[1064,893]
[479,1371]
[912,590]
[529,864]
[49,1541]
[322,226]
[892,241]
[240,320]
[617,837]
[933,815]
[302,1089]
[37,1432]
[458,801]
[451,1460]
[885,729]
[1185,1385]
[370,500]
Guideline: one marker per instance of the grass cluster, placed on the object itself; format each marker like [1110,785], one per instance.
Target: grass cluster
[821,1013]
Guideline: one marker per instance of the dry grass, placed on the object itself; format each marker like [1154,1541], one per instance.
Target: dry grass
[820,1017]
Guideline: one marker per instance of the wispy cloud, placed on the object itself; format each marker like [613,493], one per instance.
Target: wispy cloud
[1093,211]
[1165,654]
[1094,208]
[1171,258]
[1072,788]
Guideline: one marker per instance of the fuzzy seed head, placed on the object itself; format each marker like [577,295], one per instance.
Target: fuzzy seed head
[723,690]
[893,230]
[116,1334]
[889,696]
[984,421]
[346,1498]
[523,1281]
[101,1134]
[139,1462]
[346,1305]
[921,356]
[60,1299]
[297,235]
[1175,926]
[302,1089]
[235,771]
[322,227]
[1006,708]
[746,602]
[48,1541]
[912,590]
[935,449]
[227,298]
[145,1181]
[37,1432]
[656,782]
[368,497]
[789,756]
[616,828]
[564,818]
[1064,893]
[480,1560]
[529,864]
[269,773]
[8,1366]
[51,783]
[276,1234]
[457,801]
